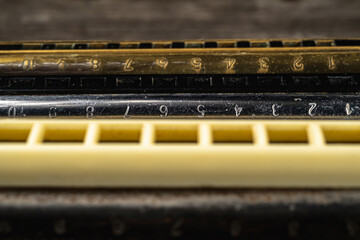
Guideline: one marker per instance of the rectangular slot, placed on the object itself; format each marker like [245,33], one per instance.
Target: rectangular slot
[92,82]
[14,133]
[347,42]
[48,46]
[270,81]
[259,44]
[210,45]
[57,82]
[177,45]
[127,82]
[342,134]
[176,134]
[282,134]
[11,47]
[199,81]
[235,81]
[194,44]
[342,81]
[308,43]
[21,82]
[306,81]
[164,82]
[232,134]
[80,46]
[226,44]
[145,45]
[72,133]
[243,44]
[276,44]
[113,45]
[120,133]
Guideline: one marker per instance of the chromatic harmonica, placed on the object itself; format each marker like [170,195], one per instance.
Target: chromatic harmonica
[181,78]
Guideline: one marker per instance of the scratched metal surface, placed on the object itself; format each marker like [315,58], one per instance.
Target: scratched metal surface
[179,214]
[177,19]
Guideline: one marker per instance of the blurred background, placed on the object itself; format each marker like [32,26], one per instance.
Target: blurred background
[177,19]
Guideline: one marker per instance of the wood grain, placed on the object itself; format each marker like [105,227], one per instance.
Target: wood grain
[176,19]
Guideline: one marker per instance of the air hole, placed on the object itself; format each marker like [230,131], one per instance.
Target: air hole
[308,43]
[48,46]
[120,134]
[287,134]
[194,45]
[226,44]
[243,44]
[64,134]
[291,43]
[176,134]
[129,45]
[342,134]
[347,42]
[211,44]
[14,133]
[324,43]
[113,46]
[161,45]
[259,44]
[276,44]
[232,134]
[145,45]
[178,45]
[11,47]
[80,46]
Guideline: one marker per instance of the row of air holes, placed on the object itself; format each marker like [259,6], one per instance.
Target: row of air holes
[206,44]
[179,134]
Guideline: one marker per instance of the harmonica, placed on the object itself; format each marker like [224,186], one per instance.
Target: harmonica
[282,78]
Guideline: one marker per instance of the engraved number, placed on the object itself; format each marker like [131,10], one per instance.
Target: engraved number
[61,64]
[128,67]
[52,112]
[263,63]
[298,65]
[238,110]
[273,107]
[12,112]
[348,109]
[196,62]
[201,110]
[90,112]
[95,64]
[164,111]
[126,115]
[162,62]
[28,64]
[331,63]
[230,63]
[311,109]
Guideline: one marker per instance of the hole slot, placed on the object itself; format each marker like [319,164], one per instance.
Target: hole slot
[347,42]
[14,133]
[64,133]
[279,134]
[341,134]
[120,133]
[176,134]
[232,134]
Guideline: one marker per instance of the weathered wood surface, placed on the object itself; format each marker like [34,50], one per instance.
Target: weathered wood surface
[177,19]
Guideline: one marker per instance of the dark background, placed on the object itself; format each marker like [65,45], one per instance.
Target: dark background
[177,19]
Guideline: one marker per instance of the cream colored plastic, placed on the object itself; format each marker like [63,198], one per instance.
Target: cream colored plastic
[179,153]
